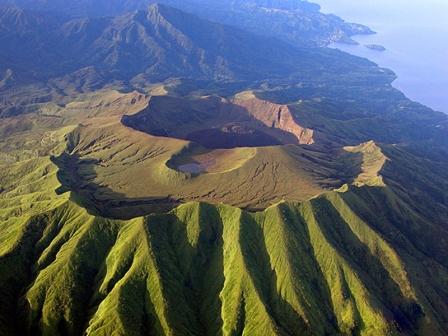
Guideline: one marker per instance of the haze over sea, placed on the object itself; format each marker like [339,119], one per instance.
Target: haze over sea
[415,35]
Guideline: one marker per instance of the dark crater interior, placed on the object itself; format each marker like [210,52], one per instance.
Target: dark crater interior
[212,122]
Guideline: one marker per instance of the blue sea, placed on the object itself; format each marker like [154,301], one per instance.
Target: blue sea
[415,35]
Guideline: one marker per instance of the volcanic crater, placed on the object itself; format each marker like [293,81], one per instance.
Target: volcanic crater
[217,123]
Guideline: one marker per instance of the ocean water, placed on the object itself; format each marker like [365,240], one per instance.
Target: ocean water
[415,35]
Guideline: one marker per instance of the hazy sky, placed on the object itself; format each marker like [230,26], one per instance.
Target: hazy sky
[415,33]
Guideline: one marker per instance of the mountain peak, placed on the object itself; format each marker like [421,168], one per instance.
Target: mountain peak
[158,13]
[157,7]
[163,10]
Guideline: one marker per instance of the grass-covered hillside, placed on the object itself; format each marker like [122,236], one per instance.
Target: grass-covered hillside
[166,175]
[335,265]
[93,239]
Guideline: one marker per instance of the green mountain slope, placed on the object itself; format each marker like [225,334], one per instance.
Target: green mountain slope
[320,267]
[367,259]
[138,212]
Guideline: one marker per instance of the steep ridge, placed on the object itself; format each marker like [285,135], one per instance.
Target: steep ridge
[160,42]
[373,161]
[298,22]
[313,268]
[139,49]
[362,260]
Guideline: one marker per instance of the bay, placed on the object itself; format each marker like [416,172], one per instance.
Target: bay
[415,35]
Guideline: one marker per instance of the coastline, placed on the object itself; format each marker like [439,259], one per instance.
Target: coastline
[420,80]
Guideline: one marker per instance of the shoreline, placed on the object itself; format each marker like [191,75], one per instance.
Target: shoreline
[421,81]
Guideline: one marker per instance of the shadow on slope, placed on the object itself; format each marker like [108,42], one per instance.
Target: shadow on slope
[218,123]
[405,311]
[190,260]
[113,205]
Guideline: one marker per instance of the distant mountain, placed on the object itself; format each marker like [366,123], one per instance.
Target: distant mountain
[153,45]
[161,42]
[164,42]
[32,32]
[298,22]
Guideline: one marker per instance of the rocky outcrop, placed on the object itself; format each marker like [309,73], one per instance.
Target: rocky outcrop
[275,116]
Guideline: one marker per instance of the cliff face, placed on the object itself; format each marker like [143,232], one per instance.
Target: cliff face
[216,122]
[275,116]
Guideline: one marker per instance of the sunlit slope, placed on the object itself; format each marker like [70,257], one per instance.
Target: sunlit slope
[28,177]
[113,167]
[117,171]
[325,266]
[29,181]
[368,259]
[359,248]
